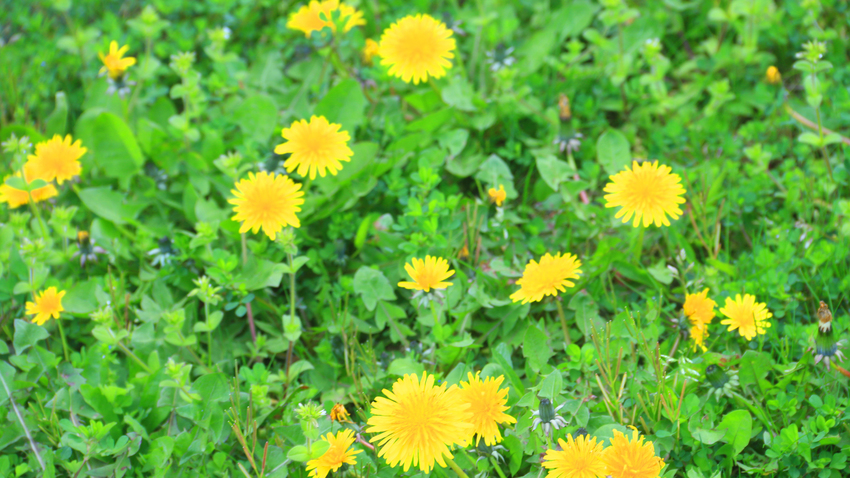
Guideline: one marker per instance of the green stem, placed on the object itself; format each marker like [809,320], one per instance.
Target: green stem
[209,334]
[496,466]
[639,245]
[823,148]
[437,330]
[36,212]
[563,323]
[134,357]
[456,468]
[64,342]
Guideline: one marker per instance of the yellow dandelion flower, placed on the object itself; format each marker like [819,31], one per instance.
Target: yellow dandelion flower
[550,275]
[268,201]
[317,15]
[337,455]
[417,47]
[699,332]
[498,195]
[18,197]
[772,76]
[744,314]
[339,413]
[417,422]
[488,404]
[577,458]
[113,63]
[57,159]
[47,304]
[698,308]
[647,191]
[428,274]
[369,51]
[317,146]
[633,458]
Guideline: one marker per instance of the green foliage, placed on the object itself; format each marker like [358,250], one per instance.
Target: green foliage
[186,347]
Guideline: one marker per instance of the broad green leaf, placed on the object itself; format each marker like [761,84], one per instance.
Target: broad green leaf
[106,203]
[404,366]
[57,122]
[27,335]
[257,118]
[212,387]
[552,385]
[344,104]
[738,425]
[612,151]
[372,285]
[458,94]
[552,170]
[111,144]
[535,348]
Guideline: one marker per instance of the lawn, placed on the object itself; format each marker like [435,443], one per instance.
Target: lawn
[450,238]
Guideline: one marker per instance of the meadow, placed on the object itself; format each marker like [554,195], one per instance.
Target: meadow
[450,238]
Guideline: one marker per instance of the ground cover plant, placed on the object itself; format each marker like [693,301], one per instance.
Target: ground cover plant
[571,239]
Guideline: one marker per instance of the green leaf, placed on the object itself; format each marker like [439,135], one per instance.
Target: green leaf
[344,104]
[552,385]
[27,335]
[404,366]
[106,203]
[257,118]
[372,285]
[552,170]
[810,138]
[17,182]
[613,152]
[454,141]
[738,425]
[661,273]
[458,94]
[298,453]
[7,378]
[297,369]
[57,121]
[111,144]
[212,387]
[263,274]
[535,348]
[502,357]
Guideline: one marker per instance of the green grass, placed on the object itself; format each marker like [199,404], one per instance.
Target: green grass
[185,348]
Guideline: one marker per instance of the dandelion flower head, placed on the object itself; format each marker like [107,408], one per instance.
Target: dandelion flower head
[773,76]
[699,308]
[699,332]
[648,192]
[578,458]
[370,50]
[57,159]
[114,62]
[746,315]
[18,197]
[498,195]
[417,47]
[47,304]
[317,15]
[268,201]
[337,454]
[551,275]
[315,146]
[427,274]
[417,422]
[631,458]
[488,404]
